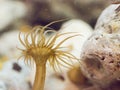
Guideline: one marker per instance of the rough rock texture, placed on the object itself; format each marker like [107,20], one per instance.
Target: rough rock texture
[101,53]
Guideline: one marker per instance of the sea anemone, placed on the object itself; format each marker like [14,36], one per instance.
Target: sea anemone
[40,49]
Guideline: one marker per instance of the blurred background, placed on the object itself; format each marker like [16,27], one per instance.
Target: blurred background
[19,15]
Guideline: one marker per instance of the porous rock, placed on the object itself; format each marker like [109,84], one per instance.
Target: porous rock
[100,59]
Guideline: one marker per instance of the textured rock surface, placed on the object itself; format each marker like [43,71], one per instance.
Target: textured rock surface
[101,53]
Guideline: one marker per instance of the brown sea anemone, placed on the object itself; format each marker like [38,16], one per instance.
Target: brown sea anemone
[42,50]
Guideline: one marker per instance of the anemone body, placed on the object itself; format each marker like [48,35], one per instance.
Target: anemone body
[42,50]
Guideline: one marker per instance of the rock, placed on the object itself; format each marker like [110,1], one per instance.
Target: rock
[8,44]
[78,27]
[10,12]
[100,57]
[12,79]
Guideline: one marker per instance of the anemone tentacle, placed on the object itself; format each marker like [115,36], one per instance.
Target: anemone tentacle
[42,50]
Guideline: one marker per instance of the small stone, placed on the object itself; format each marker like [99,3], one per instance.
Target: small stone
[16,67]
